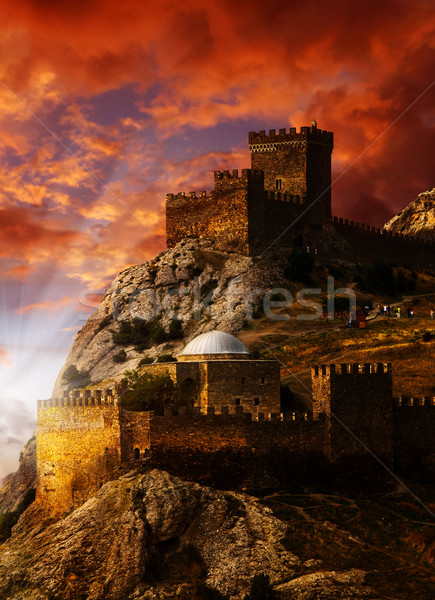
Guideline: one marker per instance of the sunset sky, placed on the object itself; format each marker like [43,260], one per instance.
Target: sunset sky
[106,106]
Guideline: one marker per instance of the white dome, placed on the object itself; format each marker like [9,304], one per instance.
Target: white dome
[215,342]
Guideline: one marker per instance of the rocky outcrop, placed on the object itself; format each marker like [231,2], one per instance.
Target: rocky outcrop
[137,534]
[19,483]
[417,219]
[154,536]
[200,286]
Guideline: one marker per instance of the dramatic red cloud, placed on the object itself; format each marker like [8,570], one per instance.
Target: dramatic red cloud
[84,186]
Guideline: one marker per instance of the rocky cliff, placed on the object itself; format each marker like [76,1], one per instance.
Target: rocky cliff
[14,489]
[193,283]
[418,218]
[154,536]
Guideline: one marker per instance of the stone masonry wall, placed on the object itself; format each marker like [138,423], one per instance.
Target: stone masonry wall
[255,385]
[370,243]
[77,447]
[222,216]
[357,401]
[414,440]
[233,451]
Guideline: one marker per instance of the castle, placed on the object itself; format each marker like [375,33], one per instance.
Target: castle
[232,434]
[284,200]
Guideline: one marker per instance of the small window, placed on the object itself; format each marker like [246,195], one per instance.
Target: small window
[237,401]
[243,380]
[136,453]
[256,401]
[262,380]
[278,184]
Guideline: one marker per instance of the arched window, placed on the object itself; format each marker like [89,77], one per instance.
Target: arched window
[136,453]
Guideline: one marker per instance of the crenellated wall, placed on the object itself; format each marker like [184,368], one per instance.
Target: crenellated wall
[368,242]
[414,439]
[78,446]
[357,400]
[283,200]
[235,450]
[86,437]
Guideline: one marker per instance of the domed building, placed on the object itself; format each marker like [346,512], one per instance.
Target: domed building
[214,345]
[217,374]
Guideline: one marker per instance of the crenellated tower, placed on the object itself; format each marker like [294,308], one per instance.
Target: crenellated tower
[296,162]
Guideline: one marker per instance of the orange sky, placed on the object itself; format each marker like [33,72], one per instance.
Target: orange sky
[105,106]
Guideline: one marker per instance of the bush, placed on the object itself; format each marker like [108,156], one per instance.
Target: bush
[158,335]
[148,360]
[143,334]
[144,391]
[120,357]
[74,378]
[133,332]
[163,358]
[261,588]
[175,329]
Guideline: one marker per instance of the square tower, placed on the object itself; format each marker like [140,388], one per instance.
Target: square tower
[296,163]
[357,402]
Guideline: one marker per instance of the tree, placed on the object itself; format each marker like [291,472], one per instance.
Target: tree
[144,391]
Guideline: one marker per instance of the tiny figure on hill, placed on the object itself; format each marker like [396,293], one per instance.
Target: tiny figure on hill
[398,312]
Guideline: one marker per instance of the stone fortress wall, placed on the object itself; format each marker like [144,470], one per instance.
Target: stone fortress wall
[284,200]
[86,437]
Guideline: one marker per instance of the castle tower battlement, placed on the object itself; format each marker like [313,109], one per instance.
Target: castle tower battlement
[357,401]
[246,174]
[80,397]
[262,142]
[284,200]
[296,163]
[320,371]
[417,402]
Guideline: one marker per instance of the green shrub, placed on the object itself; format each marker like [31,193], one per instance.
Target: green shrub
[175,330]
[143,334]
[120,357]
[145,391]
[148,360]
[163,358]
[158,335]
[74,378]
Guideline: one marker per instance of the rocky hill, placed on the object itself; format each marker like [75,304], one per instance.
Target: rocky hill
[178,284]
[418,218]
[16,486]
[156,537]
[145,536]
